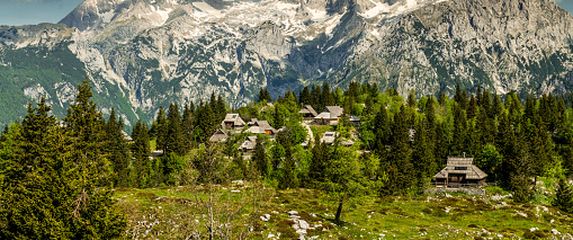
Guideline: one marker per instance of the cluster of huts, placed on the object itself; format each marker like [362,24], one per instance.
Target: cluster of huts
[234,124]
[459,172]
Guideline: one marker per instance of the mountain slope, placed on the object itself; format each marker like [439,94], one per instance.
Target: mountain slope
[142,54]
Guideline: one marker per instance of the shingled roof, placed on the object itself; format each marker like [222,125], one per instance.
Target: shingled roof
[461,166]
[235,119]
[260,127]
[307,109]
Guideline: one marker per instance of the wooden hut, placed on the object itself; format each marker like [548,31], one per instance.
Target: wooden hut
[460,172]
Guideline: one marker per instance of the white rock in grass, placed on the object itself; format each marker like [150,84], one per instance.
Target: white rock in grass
[555,232]
[292,213]
[266,217]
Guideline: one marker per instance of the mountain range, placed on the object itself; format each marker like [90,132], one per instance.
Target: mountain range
[143,54]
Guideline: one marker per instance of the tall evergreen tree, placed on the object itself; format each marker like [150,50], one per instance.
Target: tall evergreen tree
[459,145]
[174,140]
[264,95]
[160,128]
[84,125]
[118,150]
[400,170]
[305,96]
[188,125]
[260,159]
[141,150]
[423,155]
[564,197]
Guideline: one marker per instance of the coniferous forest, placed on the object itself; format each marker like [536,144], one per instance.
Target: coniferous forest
[58,176]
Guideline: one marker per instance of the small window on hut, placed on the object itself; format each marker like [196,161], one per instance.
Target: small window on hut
[460,168]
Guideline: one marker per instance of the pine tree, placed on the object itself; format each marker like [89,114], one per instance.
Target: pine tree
[304,96]
[141,150]
[118,150]
[188,125]
[564,197]
[47,192]
[320,156]
[264,95]
[260,159]
[423,155]
[400,168]
[84,124]
[160,127]
[288,178]
[174,140]
[460,131]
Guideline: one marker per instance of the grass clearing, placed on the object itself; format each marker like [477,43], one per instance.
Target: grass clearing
[177,213]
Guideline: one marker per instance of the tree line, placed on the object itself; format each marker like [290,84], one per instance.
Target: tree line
[69,167]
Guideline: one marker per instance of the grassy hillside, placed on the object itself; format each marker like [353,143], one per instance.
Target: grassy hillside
[178,213]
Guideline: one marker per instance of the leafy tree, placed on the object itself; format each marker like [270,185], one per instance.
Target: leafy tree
[490,160]
[342,177]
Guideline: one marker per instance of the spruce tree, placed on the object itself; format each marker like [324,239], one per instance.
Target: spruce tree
[305,96]
[564,197]
[320,156]
[93,214]
[260,159]
[160,128]
[118,150]
[460,136]
[141,150]
[86,127]
[423,155]
[264,95]
[288,178]
[48,192]
[400,174]
[174,139]
[188,125]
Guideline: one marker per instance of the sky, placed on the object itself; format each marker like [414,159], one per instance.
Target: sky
[21,12]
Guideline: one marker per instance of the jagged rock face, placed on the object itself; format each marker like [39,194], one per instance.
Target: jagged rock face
[142,54]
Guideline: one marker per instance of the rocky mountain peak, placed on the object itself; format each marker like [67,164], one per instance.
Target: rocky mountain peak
[142,54]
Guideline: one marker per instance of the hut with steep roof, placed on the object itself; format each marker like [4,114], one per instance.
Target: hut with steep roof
[460,172]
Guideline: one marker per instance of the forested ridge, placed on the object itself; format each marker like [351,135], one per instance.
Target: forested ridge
[57,176]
